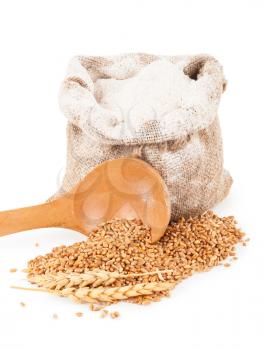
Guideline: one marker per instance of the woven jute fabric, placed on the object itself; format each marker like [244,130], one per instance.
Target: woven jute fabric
[162,109]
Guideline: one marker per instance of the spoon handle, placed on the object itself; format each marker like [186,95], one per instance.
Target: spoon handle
[57,213]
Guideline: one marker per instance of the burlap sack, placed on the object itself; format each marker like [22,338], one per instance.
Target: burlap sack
[164,109]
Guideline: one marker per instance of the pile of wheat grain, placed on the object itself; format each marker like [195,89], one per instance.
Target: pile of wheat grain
[123,252]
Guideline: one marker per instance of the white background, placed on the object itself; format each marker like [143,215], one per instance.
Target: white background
[222,309]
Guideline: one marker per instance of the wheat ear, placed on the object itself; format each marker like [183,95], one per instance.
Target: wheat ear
[116,293]
[94,279]
[101,294]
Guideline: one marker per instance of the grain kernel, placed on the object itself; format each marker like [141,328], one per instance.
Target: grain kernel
[115,314]
[124,246]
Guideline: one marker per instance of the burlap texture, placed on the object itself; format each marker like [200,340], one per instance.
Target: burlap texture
[163,109]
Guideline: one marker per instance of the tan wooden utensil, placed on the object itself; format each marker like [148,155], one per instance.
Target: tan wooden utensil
[121,188]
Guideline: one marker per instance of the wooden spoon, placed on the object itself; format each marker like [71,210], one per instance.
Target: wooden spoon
[122,188]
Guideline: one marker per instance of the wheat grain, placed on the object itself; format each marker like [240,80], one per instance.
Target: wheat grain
[125,246]
[114,314]
[122,249]
[96,307]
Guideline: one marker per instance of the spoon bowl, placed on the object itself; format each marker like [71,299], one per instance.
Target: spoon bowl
[125,188]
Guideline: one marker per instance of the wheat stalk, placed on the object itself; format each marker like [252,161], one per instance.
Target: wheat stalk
[94,279]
